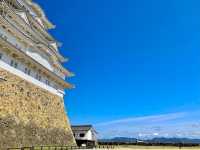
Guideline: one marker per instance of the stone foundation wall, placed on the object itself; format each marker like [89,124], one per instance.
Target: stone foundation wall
[30,115]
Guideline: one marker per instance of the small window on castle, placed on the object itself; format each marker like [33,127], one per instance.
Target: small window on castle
[1,55]
[16,65]
[47,82]
[12,63]
[27,71]
[38,77]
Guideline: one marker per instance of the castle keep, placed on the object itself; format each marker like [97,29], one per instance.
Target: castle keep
[32,79]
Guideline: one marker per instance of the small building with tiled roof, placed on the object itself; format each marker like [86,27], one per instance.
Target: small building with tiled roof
[85,135]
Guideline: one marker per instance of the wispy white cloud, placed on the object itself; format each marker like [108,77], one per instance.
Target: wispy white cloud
[153,118]
[180,124]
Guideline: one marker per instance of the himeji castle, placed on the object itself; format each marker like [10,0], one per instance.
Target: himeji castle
[32,79]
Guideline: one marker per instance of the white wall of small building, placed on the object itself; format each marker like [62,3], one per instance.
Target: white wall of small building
[88,135]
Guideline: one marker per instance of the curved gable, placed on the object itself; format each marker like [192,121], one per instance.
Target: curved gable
[23,16]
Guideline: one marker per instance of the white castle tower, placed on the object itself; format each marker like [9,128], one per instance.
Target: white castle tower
[32,79]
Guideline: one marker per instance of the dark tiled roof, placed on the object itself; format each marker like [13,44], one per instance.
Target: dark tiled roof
[81,127]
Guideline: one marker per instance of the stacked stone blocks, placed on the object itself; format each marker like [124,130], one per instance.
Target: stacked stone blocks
[31,116]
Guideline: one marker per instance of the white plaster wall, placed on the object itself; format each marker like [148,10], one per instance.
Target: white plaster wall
[8,35]
[38,57]
[33,53]
[88,135]
[19,71]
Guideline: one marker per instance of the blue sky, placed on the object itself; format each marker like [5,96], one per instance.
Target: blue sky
[132,59]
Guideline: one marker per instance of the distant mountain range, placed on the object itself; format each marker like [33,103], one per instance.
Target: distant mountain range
[120,139]
[174,140]
[154,140]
